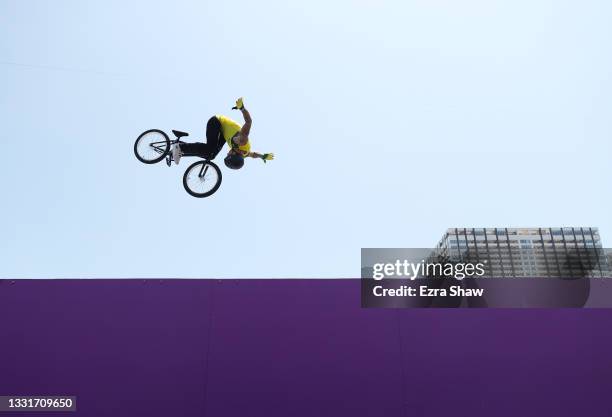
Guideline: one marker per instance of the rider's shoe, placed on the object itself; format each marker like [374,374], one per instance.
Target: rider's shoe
[176,154]
[168,160]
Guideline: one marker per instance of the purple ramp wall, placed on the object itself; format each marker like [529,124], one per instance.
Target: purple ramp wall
[293,348]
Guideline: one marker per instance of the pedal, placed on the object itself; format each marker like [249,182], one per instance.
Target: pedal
[168,160]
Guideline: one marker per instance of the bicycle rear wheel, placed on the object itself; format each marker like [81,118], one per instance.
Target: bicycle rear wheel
[202,179]
[152,146]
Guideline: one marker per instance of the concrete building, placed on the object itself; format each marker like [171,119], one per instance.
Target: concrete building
[528,252]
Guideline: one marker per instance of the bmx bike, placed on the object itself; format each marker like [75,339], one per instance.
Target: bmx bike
[201,179]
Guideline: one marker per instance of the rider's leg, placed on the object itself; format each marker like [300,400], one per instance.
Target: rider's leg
[214,142]
[214,137]
[194,149]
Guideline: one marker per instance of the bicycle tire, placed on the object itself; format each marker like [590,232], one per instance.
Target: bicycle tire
[166,147]
[191,168]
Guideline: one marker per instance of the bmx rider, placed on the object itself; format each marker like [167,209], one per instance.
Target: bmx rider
[219,131]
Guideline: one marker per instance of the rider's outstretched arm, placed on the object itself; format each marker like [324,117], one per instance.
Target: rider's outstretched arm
[265,157]
[246,128]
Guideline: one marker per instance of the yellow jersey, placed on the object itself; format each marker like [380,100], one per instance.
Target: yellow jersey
[229,129]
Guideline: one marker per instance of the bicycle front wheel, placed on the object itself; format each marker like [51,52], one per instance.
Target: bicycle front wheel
[202,179]
[152,146]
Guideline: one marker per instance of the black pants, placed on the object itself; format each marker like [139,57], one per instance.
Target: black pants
[213,145]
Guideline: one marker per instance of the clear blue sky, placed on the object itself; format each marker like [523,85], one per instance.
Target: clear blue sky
[391,121]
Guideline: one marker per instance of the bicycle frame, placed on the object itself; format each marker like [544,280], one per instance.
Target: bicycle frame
[201,179]
[160,147]
[203,170]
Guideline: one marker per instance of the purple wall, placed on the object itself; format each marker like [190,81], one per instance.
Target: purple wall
[293,348]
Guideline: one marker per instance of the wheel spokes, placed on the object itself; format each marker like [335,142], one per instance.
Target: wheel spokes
[151,145]
[201,178]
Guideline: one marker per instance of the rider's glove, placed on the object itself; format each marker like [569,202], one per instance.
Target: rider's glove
[267,157]
[239,104]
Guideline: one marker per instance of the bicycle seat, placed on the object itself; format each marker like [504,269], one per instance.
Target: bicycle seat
[179,134]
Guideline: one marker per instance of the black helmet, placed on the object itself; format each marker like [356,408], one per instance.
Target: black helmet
[234,161]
